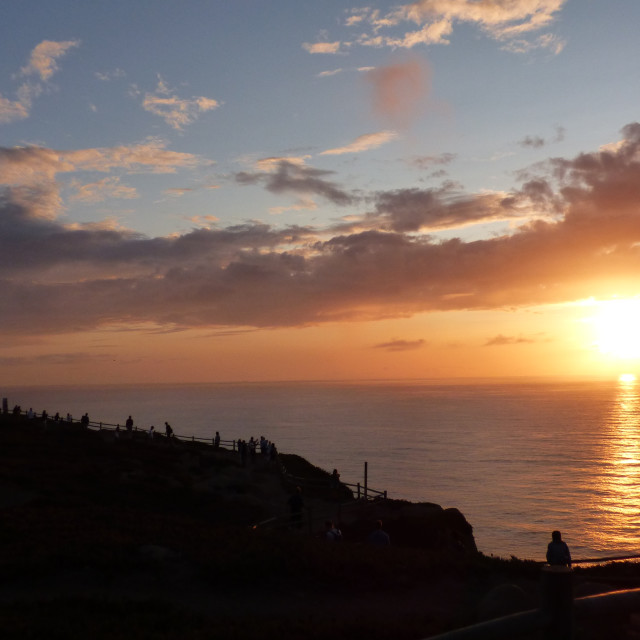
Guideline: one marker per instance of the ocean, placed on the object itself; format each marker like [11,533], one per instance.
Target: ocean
[518,458]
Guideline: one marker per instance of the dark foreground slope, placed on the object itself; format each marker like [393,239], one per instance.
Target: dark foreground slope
[134,538]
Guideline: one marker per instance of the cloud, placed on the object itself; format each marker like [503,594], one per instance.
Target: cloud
[60,359]
[502,340]
[327,74]
[43,60]
[410,210]
[535,142]
[11,110]
[401,345]
[322,47]
[102,190]
[176,112]
[107,76]
[290,177]
[30,174]
[428,162]
[581,239]
[272,163]
[399,91]
[431,22]
[26,165]
[302,204]
[363,143]
[42,63]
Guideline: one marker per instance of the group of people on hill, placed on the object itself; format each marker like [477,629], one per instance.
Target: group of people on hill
[248,450]
[45,417]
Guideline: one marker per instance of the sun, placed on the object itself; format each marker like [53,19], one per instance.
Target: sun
[617,328]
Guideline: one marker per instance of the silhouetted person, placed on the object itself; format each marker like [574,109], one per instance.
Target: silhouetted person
[331,532]
[168,431]
[129,424]
[335,479]
[378,537]
[216,440]
[84,421]
[296,504]
[557,551]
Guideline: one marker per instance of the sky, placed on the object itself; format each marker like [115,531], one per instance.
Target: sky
[214,191]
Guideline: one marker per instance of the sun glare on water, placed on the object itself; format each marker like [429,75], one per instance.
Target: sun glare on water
[626,378]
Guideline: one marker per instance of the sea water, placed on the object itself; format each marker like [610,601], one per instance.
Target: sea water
[518,458]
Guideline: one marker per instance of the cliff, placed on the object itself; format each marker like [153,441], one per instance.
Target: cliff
[108,537]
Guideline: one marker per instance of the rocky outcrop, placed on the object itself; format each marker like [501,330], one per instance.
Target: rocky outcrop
[417,525]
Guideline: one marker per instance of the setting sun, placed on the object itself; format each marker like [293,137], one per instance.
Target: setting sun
[617,328]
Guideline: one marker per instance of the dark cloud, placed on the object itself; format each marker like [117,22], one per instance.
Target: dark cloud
[408,210]
[289,177]
[401,345]
[582,239]
[428,162]
[535,142]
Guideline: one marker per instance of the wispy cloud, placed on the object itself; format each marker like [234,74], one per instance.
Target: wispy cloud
[535,142]
[43,63]
[363,143]
[502,340]
[176,112]
[322,47]
[432,22]
[102,190]
[44,58]
[401,345]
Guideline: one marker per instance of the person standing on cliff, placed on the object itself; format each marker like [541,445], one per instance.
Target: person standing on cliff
[378,537]
[558,553]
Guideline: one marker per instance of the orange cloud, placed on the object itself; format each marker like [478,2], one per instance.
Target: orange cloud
[363,143]
[43,60]
[42,63]
[176,112]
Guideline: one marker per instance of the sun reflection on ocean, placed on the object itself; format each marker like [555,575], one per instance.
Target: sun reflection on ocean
[619,493]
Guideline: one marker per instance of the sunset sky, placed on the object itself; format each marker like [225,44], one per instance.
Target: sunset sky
[213,191]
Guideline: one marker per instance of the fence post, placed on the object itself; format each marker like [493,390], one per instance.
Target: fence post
[366,465]
[557,602]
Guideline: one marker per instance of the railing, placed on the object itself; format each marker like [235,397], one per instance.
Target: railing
[361,491]
[555,616]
